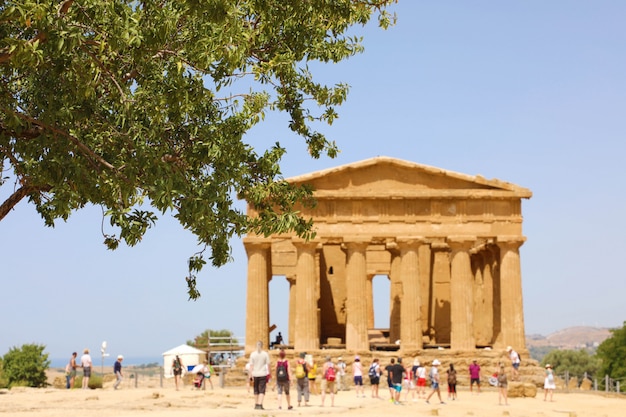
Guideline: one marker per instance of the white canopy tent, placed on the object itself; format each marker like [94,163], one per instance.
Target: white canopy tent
[189,356]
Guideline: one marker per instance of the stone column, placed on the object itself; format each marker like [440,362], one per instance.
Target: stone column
[292,309]
[411,322]
[489,293]
[440,294]
[481,308]
[370,302]
[307,336]
[461,293]
[512,309]
[395,296]
[356,285]
[257,299]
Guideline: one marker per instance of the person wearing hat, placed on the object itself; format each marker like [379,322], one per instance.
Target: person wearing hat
[329,372]
[434,381]
[474,371]
[548,384]
[515,362]
[117,369]
[341,381]
[357,374]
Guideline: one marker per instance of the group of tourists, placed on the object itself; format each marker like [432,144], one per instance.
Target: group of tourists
[412,379]
[86,363]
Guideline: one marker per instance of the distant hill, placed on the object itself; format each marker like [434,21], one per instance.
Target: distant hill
[571,338]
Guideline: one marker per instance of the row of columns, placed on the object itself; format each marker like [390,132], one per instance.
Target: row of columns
[451,262]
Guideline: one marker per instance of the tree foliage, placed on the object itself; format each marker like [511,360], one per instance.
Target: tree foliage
[612,353]
[141,107]
[576,362]
[26,366]
[202,341]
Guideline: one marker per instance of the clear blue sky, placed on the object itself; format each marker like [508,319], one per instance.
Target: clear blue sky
[528,92]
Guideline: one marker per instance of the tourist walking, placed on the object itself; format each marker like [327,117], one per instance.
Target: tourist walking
[421,380]
[86,363]
[374,374]
[341,365]
[177,369]
[392,390]
[259,366]
[434,381]
[117,370]
[409,383]
[329,372]
[283,379]
[357,374]
[548,384]
[312,375]
[397,374]
[515,362]
[474,371]
[502,385]
[451,382]
[302,380]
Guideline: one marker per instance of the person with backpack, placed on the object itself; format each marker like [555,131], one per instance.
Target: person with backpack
[374,374]
[302,380]
[177,369]
[283,379]
[329,371]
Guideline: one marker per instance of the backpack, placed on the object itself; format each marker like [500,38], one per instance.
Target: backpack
[281,372]
[372,371]
[300,372]
[330,373]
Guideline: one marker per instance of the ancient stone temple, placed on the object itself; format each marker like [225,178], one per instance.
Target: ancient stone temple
[448,243]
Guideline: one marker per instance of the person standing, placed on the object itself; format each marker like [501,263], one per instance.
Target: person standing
[502,385]
[207,371]
[312,375]
[548,384]
[71,371]
[259,365]
[117,369]
[397,374]
[357,374]
[388,368]
[515,362]
[374,374]
[283,379]
[421,380]
[434,381]
[302,380]
[329,372]
[341,365]
[86,363]
[474,371]
[177,368]
[451,382]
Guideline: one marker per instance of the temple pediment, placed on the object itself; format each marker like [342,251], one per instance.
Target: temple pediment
[387,177]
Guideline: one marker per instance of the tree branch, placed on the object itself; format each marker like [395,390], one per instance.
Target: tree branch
[17,196]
